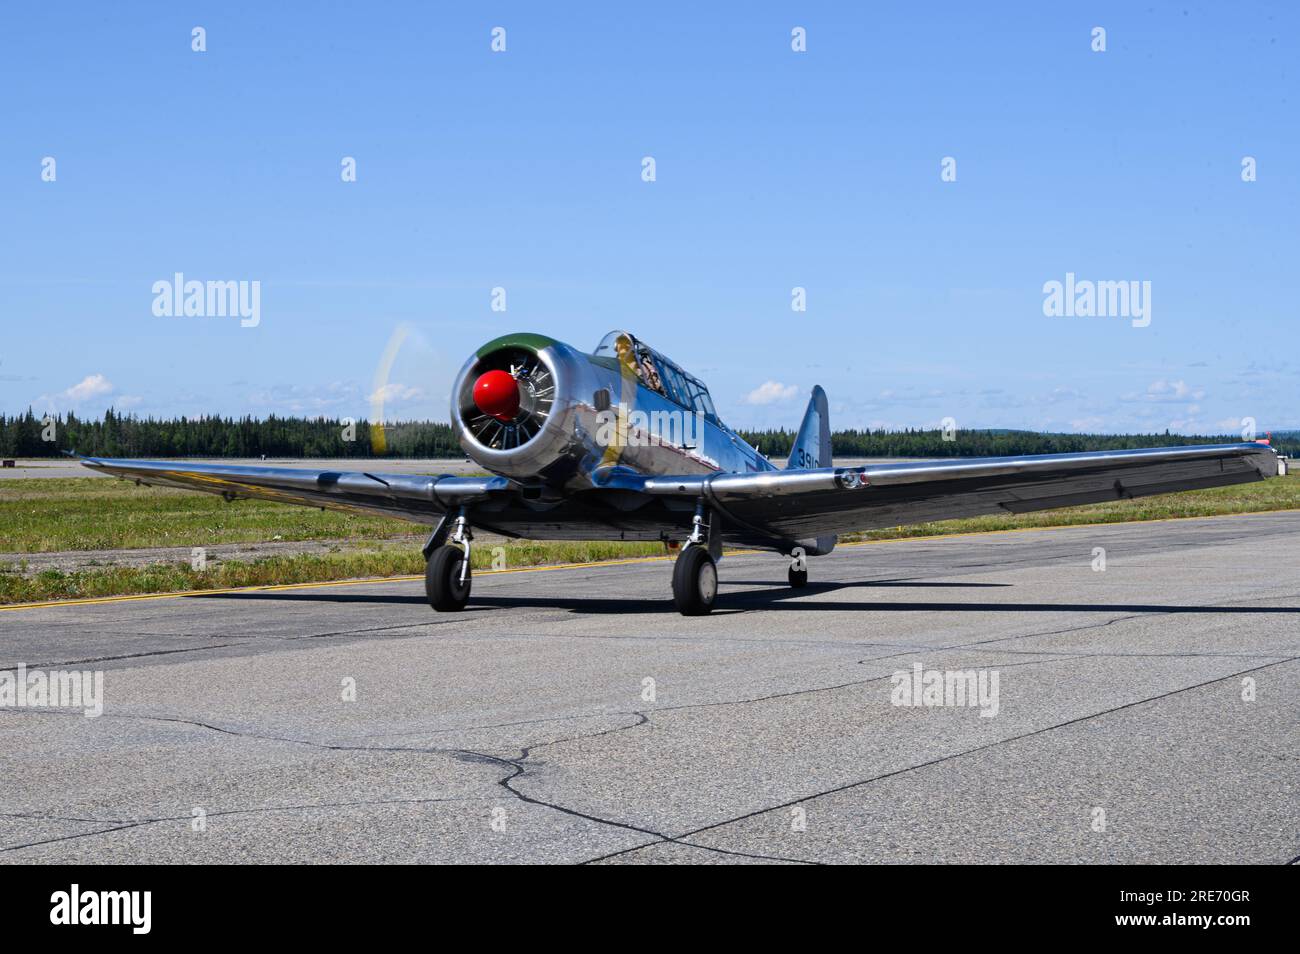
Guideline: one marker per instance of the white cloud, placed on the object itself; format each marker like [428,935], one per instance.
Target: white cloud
[1186,425]
[309,399]
[770,392]
[1060,395]
[1163,390]
[91,386]
[394,393]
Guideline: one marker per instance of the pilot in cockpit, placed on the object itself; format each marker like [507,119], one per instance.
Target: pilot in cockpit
[649,373]
[638,360]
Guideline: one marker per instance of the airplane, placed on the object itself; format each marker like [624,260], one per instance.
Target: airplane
[623,444]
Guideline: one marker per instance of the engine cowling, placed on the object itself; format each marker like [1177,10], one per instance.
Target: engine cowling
[514,407]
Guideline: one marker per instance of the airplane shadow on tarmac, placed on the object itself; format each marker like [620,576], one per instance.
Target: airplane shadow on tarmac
[732,603]
[775,598]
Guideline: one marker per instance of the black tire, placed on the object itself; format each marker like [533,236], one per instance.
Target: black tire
[442,583]
[798,578]
[695,582]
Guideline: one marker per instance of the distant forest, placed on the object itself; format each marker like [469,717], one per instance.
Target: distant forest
[119,435]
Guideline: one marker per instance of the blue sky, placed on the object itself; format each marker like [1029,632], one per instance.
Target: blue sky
[774,169]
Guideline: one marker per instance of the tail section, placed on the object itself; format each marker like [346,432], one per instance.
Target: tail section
[812,445]
[812,449]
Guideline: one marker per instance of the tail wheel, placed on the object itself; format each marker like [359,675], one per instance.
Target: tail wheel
[798,578]
[695,582]
[442,582]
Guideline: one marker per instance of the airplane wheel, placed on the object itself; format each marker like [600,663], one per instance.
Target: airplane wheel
[442,583]
[695,582]
[798,578]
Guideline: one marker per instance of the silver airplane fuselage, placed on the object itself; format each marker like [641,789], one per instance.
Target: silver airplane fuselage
[584,419]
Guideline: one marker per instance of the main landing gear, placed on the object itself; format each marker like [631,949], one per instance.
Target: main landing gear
[695,574]
[695,581]
[447,576]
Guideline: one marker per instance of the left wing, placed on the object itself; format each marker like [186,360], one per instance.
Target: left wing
[801,504]
[416,498]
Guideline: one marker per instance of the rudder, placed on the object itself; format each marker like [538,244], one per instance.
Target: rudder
[812,449]
[812,445]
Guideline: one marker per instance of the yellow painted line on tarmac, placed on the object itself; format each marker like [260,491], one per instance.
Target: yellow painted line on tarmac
[275,587]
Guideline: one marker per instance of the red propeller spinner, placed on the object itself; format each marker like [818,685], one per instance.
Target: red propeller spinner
[496,394]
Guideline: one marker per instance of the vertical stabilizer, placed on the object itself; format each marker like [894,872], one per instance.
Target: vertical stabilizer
[812,445]
[812,449]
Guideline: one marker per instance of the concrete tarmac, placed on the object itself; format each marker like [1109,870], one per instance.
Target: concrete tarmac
[1146,712]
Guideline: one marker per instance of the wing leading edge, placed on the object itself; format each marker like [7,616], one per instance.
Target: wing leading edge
[417,498]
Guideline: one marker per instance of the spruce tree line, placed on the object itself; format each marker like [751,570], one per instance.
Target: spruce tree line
[124,435]
[992,443]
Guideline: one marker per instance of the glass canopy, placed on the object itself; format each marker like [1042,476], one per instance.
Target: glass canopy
[657,372]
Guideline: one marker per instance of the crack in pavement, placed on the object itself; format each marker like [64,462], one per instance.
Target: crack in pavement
[941,759]
[520,767]
[904,651]
[516,765]
[123,824]
[519,770]
[99,659]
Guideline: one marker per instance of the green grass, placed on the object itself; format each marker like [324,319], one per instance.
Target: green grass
[378,561]
[93,513]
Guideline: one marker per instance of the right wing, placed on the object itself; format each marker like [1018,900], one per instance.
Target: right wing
[416,498]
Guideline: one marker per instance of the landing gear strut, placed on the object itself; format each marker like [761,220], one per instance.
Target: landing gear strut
[695,574]
[447,574]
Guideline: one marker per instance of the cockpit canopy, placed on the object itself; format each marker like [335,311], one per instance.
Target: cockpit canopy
[658,373]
